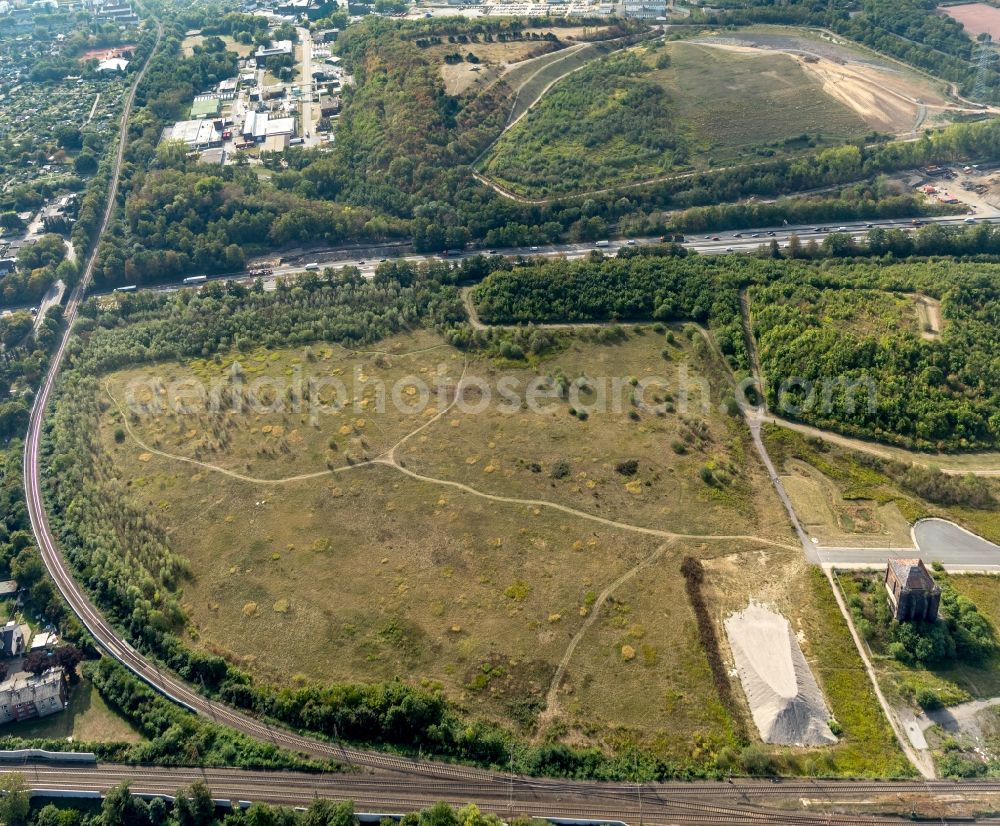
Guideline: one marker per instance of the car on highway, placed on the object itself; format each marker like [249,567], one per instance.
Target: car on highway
[361,263]
[729,249]
[716,238]
[771,233]
[970,220]
[491,252]
[533,249]
[755,235]
[869,226]
[738,235]
[631,242]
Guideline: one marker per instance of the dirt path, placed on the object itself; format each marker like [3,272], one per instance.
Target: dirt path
[929,310]
[552,695]
[975,464]
[388,459]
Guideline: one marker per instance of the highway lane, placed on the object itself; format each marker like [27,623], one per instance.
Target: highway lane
[367,260]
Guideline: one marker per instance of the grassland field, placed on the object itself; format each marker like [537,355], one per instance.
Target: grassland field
[730,97]
[240,49]
[484,551]
[842,498]
[709,106]
[87,719]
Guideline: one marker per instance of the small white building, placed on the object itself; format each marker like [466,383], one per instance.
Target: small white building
[113,64]
[276,49]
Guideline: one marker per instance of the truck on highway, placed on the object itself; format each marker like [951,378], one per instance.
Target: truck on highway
[195,279]
[312,267]
[129,288]
[602,243]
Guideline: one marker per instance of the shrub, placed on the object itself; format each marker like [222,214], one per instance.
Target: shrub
[928,700]
[628,468]
[560,469]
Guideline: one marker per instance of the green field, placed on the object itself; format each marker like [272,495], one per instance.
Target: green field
[87,719]
[673,108]
[524,561]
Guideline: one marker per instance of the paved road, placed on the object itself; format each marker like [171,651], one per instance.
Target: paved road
[410,783]
[307,88]
[935,540]
[939,539]
[367,259]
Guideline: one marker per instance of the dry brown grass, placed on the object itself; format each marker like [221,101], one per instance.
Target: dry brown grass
[840,522]
[367,574]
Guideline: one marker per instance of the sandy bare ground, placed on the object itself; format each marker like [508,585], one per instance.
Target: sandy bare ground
[785,700]
[887,101]
[976,18]
[929,313]
[495,59]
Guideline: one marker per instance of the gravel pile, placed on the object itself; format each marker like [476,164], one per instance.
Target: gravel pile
[787,704]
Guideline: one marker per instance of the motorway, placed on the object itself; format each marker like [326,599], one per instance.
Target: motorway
[402,782]
[367,259]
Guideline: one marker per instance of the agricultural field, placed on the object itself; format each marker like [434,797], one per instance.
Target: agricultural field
[649,112]
[525,559]
[976,18]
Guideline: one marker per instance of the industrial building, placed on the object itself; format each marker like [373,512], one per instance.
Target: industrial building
[259,126]
[197,134]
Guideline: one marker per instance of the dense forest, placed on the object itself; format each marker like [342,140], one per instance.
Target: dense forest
[936,392]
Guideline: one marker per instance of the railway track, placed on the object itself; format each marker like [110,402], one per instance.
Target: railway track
[662,804]
[393,782]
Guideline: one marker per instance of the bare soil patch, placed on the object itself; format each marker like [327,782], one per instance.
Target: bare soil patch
[887,100]
[929,314]
[494,59]
[976,18]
